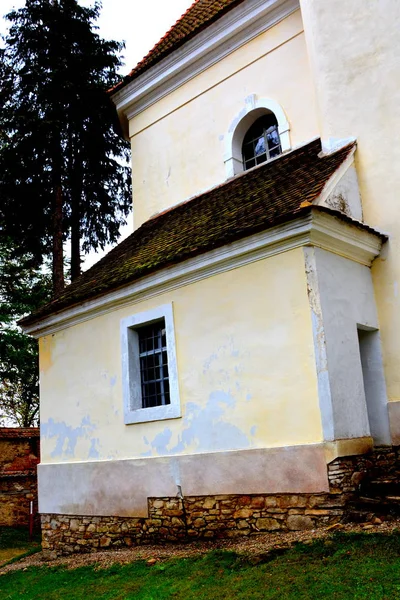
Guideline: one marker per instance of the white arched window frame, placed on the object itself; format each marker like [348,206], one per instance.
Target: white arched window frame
[254,108]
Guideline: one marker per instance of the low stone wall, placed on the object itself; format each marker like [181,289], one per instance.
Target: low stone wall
[173,519]
[16,493]
[347,473]
[19,456]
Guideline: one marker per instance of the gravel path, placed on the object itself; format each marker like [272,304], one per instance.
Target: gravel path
[254,545]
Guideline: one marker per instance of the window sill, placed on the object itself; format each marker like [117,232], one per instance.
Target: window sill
[155,413]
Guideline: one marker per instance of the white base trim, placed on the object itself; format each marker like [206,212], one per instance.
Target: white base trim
[122,487]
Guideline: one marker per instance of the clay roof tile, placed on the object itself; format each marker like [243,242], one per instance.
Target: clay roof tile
[198,16]
[272,193]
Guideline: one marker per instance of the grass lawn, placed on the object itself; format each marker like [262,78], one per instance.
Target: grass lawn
[14,542]
[347,566]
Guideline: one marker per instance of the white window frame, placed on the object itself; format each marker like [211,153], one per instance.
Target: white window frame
[233,139]
[132,389]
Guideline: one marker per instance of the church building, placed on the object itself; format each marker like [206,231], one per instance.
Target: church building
[229,366]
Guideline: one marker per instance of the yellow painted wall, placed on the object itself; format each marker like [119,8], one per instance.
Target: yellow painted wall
[355,54]
[246,372]
[178,143]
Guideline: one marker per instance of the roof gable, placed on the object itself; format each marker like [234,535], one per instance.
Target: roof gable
[197,17]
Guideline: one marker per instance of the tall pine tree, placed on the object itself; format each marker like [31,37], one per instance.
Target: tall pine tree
[23,288]
[63,162]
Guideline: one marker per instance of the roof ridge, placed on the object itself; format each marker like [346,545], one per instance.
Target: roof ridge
[186,27]
[163,38]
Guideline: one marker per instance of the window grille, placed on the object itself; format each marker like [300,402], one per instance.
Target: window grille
[153,365]
[261,142]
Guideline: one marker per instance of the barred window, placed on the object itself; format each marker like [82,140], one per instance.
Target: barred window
[149,366]
[261,142]
[154,365]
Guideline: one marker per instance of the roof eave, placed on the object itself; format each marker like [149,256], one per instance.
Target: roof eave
[313,226]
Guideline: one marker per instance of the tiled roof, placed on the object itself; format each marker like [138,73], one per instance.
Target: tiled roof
[270,194]
[19,432]
[198,16]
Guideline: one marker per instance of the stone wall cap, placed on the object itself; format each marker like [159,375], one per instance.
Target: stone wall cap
[19,432]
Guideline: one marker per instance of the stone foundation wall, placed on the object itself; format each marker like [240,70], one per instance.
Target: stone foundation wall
[209,517]
[19,456]
[347,473]
[200,517]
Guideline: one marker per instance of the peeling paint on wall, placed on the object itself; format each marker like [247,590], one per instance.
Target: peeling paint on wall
[321,360]
[93,452]
[247,380]
[161,442]
[208,431]
[204,429]
[67,437]
[345,197]
[208,427]
[45,353]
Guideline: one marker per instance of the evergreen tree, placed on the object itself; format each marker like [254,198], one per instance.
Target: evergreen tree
[23,288]
[62,170]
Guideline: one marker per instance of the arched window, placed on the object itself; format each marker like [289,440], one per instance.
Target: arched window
[245,128]
[261,142]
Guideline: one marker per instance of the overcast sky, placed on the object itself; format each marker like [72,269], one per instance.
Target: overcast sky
[141,24]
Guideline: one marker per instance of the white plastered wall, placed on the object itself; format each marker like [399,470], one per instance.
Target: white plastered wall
[179,143]
[245,368]
[250,415]
[343,192]
[354,54]
[342,301]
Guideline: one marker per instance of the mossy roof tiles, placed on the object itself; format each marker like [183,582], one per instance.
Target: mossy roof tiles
[270,194]
[198,16]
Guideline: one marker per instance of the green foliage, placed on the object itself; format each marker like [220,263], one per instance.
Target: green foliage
[59,129]
[23,288]
[361,567]
[62,170]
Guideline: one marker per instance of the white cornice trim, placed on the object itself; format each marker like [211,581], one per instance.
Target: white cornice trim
[315,229]
[219,39]
[345,238]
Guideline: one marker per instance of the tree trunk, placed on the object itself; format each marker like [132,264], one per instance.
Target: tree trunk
[75,239]
[58,253]
[75,185]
